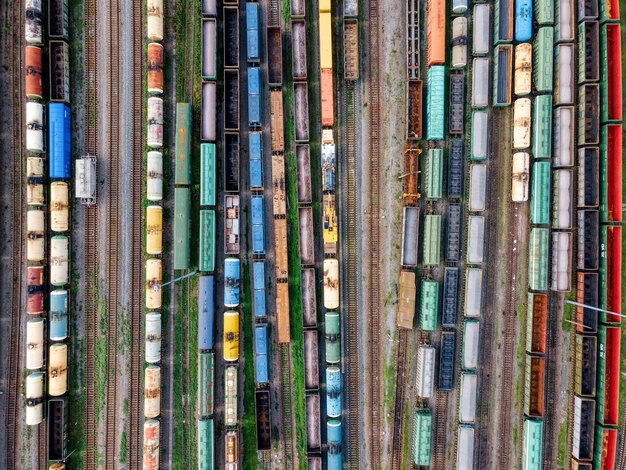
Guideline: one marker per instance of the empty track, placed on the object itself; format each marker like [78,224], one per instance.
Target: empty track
[398,409]
[440,429]
[287,431]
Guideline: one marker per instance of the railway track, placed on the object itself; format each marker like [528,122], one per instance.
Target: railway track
[621,451]
[285,367]
[13,403]
[374,267]
[398,409]
[135,409]
[548,456]
[440,430]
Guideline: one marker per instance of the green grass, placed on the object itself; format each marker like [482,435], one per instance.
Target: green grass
[561,455]
[248,421]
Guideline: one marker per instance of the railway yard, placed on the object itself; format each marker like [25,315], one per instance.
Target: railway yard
[311,234]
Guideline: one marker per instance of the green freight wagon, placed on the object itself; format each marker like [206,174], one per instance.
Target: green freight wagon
[181,228]
[422,436]
[429,305]
[540,193]
[533,436]
[432,240]
[432,178]
[205,444]
[206,383]
[609,11]
[538,260]
[542,127]
[332,338]
[182,168]
[435,102]
[207,241]
[207,175]
[544,12]
[543,57]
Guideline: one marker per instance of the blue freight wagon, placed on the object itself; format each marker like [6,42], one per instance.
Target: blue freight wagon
[255,145]
[261,365]
[523,20]
[58,315]
[60,141]
[252,31]
[446,363]
[333,392]
[206,311]
[254,96]
[231,282]
[450,297]
[333,434]
[258,284]
[435,103]
[258,225]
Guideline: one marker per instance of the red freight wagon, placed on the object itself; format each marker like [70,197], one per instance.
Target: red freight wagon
[326,86]
[608,375]
[34,78]
[608,439]
[611,73]
[35,298]
[611,278]
[612,173]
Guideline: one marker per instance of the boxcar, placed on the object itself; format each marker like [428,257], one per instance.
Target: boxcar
[206,261]
[467,401]
[432,240]
[59,260]
[183,144]
[154,230]
[231,282]
[208,111]
[58,315]
[252,32]
[532,442]
[333,434]
[332,334]
[543,56]
[181,228]
[562,215]
[432,178]
[34,398]
[206,383]
[206,311]
[231,336]
[154,277]
[422,436]
[436,33]
[152,392]
[458,7]
[538,259]
[480,136]
[57,369]
[153,338]
[540,193]
[446,361]
[207,174]
[60,141]
[333,392]
[254,96]
[523,20]
[206,456]
[425,380]
[154,180]
[429,305]
[450,309]
[261,352]
[258,284]
[255,148]
[475,239]
[155,68]
[435,101]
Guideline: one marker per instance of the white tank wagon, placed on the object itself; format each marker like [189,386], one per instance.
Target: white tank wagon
[425,381]
[59,206]
[34,178]
[331,284]
[152,392]
[478,187]
[154,180]
[561,261]
[57,370]
[520,177]
[34,343]
[59,260]
[151,444]
[154,277]
[459,42]
[34,127]
[523,69]
[521,123]
[85,180]
[34,398]
[155,122]
[155,20]
[564,146]
[33,22]
[153,338]
[35,238]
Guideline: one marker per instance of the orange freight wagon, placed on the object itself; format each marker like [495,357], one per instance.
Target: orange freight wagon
[34,78]
[328,117]
[436,32]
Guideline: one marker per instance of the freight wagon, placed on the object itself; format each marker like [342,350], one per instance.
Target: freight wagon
[155,20]
[332,337]
[276,122]
[450,309]
[588,114]
[425,369]
[58,423]
[611,173]
[561,261]
[467,400]
[326,64]
[35,238]
[533,438]
[331,284]
[520,177]
[275,56]
[538,259]
[407,290]
[584,427]
[206,311]
[523,69]
[311,361]
[608,368]
[313,425]
[562,216]
[435,100]
[333,434]
[540,193]
[35,289]
[231,449]
[350,8]
[523,20]
[58,52]
[503,21]
[502,61]
[542,127]
[231,100]
[432,177]
[414,110]
[59,206]
[258,284]
[459,42]
[585,360]
[60,141]
[256,159]
[480,82]
[252,32]
[565,21]
[208,111]
[254,96]
[33,22]
[587,293]
[422,436]
[533,390]
[152,392]
[181,228]
[33,72]
[301,111]
[564,130]
[465,450]
[258,225]
[429,305]
[605,447]
[206,261]
[564,88]
[298,52]
[58,315]
[473,292]
[432,240]
[206,456]
[436,33]
[333,392]
[59,260]
[206,383]
[34,398]
[308,293]
[231,36]
[457,105]
[446,360]
[231,225]
[182,168]
[153,338]
[453,233]
[536,323]
[588,52]
[475,239]
[481,25]
[230,398]
[480,136]
[471,338]
[610,72]
[351,49]
[410,227]
[478,187]
[34,178]
[57,369]
[154,276]
[456,162]
[207,173]
[610,272]
[231,282]
[209,49]
[34,127]
[151,439]
[261,351]
[155,122]
[154,230]
[543,57]
[413,56]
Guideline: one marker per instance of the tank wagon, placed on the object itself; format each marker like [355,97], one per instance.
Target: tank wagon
[57,330]
[153,338]
[155,68]
[332,338]
[333,392]
[333,433]
[155,122]
[155,20]
[151,443]
[34,343]
[231,282]
[523,69]
[152,392]
[34,398]
[34,180]
[35,289]
[34,72]
[459,42]
[523,20]
[520,177]
[33,22]
[34,127]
